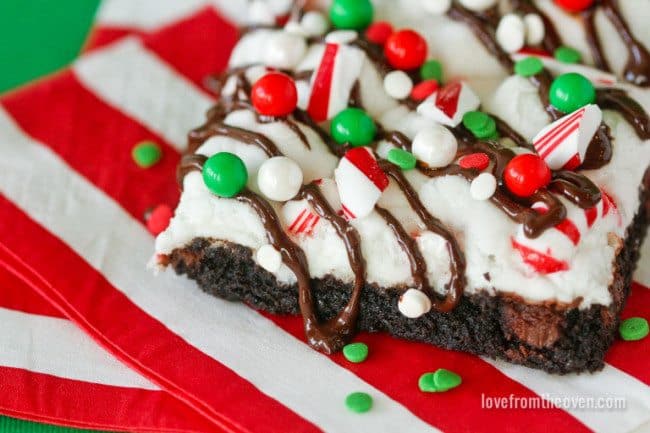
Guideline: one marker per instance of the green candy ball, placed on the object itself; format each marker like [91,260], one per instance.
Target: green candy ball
[225,174]
[353,126]
[571,91]
[351,14]
[431,69]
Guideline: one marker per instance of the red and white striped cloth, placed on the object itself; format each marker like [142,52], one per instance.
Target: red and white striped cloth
[90,338]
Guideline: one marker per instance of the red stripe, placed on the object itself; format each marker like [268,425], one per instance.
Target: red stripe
[197,46]
[549,149]
[362,159]
[99,147]
[320,93]
[313,224]
[16,295]
[394,366]
[570,230]
[104,35]
[591,214]
[305,221]
[347,212]
[74,403]
[547,138]
[164,358]
[297,220]
[632,356]
[542,263]
[447,98]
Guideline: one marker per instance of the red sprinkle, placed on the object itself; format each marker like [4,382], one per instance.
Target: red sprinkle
[525,174]
[378,32]
[423,90]
[158,219]
[406,49]
[274,94]
[480,161]
[574,5]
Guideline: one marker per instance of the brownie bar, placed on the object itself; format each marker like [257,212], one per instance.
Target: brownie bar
[548,336]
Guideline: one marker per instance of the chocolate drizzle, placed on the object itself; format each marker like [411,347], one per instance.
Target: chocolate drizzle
[552,40]
[634,114]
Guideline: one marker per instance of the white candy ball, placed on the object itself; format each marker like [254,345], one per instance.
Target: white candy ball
[535,30]
[483,186]
[414,303]
[478,5]
[436,7]
[279,178]
[511,33]
[259,12]
[435,145]
[398,84]
[341,36]
[285,50]
[269,258]
[314,23]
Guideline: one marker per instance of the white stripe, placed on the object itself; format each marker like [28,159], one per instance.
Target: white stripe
[642,274]
[54,346]
[608,382]
[251,345]
[146,14]
[132,79]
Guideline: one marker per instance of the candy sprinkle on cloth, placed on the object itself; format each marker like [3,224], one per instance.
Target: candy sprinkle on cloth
[439,381]
[146,154]
[355,352]
[634,328]
[358,402]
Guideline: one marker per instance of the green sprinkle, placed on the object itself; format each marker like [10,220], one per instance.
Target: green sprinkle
[351,14]
[146,154]
[634,328]
[401,158]
[225,174]
[439,381]
[488,131]
[431,69]
[475,120]
[353,126]
[355,352]
[528,67]
[567,55]
[358,402]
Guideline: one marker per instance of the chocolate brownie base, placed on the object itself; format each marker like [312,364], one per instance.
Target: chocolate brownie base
[548,336]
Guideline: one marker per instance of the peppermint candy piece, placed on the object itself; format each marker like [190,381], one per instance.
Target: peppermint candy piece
[333,79]
[300,217]
[563,144]
[553,250]
[596,76]
[269,258]
[360,182]
[279,178]
[435,145]
[511,33]
[450,103]
[413,303]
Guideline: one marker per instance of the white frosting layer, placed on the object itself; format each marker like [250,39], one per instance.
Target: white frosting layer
[483,231]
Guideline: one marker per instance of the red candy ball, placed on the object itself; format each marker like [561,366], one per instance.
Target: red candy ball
[405,49]
[158,218]
[525,174]
[274,94]
[424,89]
[378,32]
[574,5]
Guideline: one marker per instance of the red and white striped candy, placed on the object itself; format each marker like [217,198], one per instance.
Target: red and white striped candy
[553,250]
[563,143]
[596,76]
[448,104]
[333,79]
[301,218]
[360,182]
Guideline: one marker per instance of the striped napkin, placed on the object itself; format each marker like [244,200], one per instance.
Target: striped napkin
[90,338]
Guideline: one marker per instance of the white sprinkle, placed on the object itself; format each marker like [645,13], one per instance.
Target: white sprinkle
[341,36]
[279,178]
[483,186]
[314,23]
[284,50]
[414,303]
[535,30]
[269,258]
[511,33]
[398,84]
[436,7]
[478,5]
[435,146]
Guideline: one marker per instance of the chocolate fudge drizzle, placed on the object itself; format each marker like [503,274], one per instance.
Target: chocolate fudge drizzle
[331,335]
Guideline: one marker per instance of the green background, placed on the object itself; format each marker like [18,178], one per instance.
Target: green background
[38,37]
